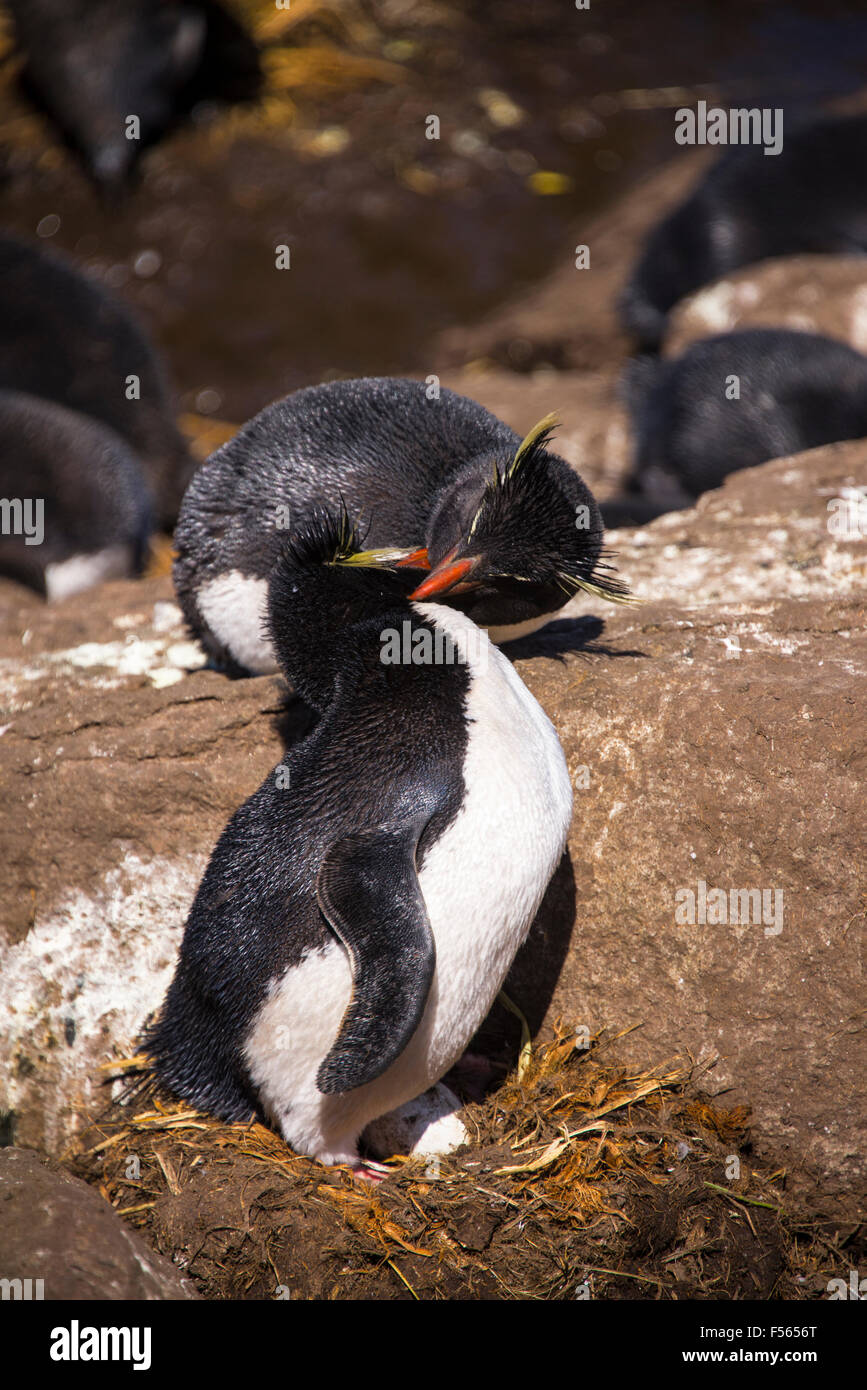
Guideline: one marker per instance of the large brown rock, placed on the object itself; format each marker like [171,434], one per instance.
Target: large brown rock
[718,734]
[65,1239]
[715,733]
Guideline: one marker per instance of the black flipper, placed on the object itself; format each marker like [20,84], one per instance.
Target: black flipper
[368,889]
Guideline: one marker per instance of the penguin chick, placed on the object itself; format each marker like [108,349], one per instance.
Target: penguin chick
[63,337]
[434,476]
[360,912]
[795,391]
[75,507]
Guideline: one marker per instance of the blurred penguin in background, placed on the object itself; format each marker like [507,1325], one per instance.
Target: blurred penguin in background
[92,65]
[809,198]
[736,400]
[64,338]
[75,509]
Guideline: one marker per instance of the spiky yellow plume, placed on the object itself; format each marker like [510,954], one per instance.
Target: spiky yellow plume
[538,432]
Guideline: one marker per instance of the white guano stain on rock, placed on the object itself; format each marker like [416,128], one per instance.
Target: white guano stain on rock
[82,983]
[164,659]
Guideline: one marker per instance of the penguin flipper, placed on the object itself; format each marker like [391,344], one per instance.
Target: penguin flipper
[368,889]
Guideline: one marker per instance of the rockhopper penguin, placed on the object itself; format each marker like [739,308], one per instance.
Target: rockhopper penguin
[361,910]
[808,198]
[75,509]
[795,392]
[509,530]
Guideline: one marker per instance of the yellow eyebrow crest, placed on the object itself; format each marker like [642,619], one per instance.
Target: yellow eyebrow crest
[539,431]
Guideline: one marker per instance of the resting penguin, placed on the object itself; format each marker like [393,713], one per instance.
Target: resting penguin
[808,198]
[74,506]
[64,337]
[510,530]
[92,64]
[796,391]
[360,912]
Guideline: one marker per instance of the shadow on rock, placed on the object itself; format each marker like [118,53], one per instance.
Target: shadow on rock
[564,635]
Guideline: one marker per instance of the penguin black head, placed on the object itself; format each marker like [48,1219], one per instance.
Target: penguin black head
[532,541]
[322,588]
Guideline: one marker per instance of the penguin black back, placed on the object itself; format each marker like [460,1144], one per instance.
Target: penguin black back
[91,64]
[63,337]
[738,399]
[76,507]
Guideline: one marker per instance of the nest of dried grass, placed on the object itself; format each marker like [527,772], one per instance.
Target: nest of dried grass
[582,1180]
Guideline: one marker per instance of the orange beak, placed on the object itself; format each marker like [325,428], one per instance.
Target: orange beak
[445,577]
[417,560]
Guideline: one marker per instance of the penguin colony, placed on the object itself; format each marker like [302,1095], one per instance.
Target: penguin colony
[797,390]
[361,910]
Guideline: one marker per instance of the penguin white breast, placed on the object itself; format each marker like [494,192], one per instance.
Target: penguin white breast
[511,632]
[482,883]
[234,607]
[80,572]
[484,878]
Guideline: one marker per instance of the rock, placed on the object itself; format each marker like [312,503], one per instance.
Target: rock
[125,763]
[56,1230]
[715,735]
[813,294]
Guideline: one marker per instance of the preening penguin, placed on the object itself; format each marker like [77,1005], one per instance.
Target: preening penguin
[361,911]
[509,530]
